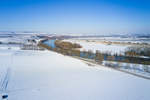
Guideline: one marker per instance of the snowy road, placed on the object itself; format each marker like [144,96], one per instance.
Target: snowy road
[45,75]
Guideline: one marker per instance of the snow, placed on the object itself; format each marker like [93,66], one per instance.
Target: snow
[125,39]
[138,69]
[5,47]
[17,38]
[46,75]
[101,47]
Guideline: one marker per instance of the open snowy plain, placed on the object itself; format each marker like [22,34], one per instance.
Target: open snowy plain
[46,75]
[100,46]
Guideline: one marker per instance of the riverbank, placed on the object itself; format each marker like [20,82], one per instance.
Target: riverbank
[98,55]
[129,68]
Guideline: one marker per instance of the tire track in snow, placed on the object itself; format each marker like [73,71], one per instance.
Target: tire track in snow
[5,81]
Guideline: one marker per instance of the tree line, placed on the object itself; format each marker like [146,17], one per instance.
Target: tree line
[138,51]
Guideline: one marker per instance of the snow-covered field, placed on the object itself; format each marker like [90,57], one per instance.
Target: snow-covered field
[125,39]
[114,48]
[5,47]
[16,38]
[45,75]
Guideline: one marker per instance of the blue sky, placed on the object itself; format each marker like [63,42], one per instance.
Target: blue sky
[76,16]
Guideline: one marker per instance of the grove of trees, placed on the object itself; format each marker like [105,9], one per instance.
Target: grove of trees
[138,51]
